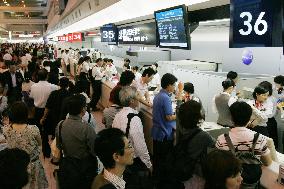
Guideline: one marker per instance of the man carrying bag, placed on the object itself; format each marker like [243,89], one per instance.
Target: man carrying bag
[75,139]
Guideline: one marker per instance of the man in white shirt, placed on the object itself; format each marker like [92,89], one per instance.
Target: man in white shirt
[142,84]
[86,65]
[110,69]
[98,72]
[40,92]
[7,56]
[65,61]
[129,100]
[156,81]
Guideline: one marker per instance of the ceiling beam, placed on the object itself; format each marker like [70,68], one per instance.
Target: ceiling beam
[22,9]
[25,27]
[23,21]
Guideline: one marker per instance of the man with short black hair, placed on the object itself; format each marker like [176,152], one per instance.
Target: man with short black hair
[40,92]
[142,84]
[13,79]
[116,152]
[163,125]
[98,72]
[79,164]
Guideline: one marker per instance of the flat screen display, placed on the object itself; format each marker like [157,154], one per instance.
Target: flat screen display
[256,23]
[138,34]
[172,27]
[109,34]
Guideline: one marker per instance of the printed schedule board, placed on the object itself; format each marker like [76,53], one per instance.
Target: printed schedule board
[172,27]
[256,23]
[138,34]
[109,34]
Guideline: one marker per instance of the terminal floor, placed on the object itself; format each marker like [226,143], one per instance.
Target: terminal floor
[49,168]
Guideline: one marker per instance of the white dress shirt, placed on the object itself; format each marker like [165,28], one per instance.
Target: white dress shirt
[14,81]
[263,112]
[136,134]
[40,92]
[156,81]
[85,67]
[138,76]
[97,72]
[117,181]
[141,87]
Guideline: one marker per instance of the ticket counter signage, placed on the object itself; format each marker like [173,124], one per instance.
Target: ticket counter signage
[256,23]
[109,34]
[138,34]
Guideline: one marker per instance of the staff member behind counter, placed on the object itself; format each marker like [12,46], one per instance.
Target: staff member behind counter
[223,101]
[142,84]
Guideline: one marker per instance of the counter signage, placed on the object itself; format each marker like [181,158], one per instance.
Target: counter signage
[256,23]
[109,34]
[77,37]
[62,38]
[70,37]
[138,34]
[172,27]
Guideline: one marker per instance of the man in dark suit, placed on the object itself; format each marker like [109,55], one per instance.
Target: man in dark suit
[13,80]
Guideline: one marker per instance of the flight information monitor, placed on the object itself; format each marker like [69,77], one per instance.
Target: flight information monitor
[256,23]
[109,34]
[138,34]
[172,27]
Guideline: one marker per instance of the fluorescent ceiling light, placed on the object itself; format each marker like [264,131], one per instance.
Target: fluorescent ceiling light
[120,11]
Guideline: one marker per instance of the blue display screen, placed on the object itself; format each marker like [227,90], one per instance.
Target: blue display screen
[171,28]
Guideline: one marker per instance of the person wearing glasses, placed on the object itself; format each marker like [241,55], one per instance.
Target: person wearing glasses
[115,152]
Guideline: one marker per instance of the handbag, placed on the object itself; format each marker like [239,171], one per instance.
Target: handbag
[55,152]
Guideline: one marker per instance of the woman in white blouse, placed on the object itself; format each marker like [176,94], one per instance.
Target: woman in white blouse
[262,110]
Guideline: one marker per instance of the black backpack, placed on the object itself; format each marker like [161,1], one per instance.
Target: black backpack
[180,165]
[250,163]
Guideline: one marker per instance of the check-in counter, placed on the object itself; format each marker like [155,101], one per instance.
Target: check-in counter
[269,175]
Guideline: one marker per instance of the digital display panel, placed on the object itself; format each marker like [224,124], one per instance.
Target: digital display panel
[256,23]
[138,34]
[172,27]
[109,34]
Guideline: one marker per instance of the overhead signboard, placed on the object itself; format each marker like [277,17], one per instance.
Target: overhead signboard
[173,28]
[72,37]
[109,34]
[138,34]
[256,23]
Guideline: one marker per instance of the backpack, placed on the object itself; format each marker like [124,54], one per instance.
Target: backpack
[180,165]
[250,163]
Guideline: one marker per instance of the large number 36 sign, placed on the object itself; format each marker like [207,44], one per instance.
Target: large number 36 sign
[256,23]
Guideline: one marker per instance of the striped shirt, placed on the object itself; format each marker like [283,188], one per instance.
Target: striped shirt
[136,134]
[242,139]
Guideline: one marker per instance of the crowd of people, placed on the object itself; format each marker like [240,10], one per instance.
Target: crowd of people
[46,108]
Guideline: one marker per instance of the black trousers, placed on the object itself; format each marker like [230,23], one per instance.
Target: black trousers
[43,132]
[160,153]
[97,92]
[272,130]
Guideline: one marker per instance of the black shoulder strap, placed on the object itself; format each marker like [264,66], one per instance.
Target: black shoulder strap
[60,136]
[230,143]
[129,117]
[90,116]
[256,135]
